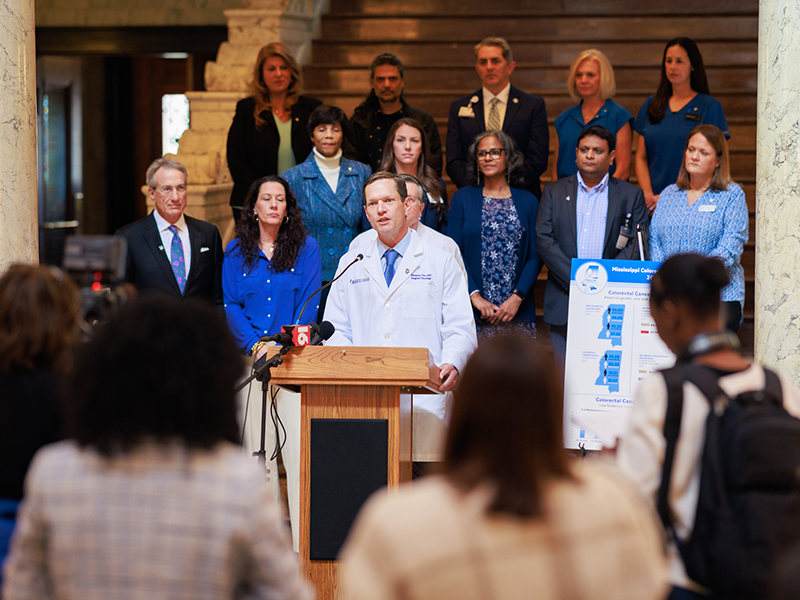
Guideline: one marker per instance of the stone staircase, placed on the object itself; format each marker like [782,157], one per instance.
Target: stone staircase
[434,39]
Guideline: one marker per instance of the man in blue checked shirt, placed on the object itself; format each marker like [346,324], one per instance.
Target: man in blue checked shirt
[580,216]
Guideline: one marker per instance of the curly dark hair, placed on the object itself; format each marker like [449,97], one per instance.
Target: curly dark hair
[39,318]
[158,369]
[291,235]
[513,158]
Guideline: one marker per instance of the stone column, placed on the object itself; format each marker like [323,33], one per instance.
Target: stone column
[18,184]
[777,296]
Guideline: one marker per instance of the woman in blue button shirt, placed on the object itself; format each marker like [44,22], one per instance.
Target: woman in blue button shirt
[267,273]
[271,267]
[664,121]
[591,80]
[706,213]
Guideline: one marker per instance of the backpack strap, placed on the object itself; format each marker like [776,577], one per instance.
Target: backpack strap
[772,385]
[673,377]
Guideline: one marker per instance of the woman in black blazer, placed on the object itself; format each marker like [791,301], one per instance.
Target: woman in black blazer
[256,146]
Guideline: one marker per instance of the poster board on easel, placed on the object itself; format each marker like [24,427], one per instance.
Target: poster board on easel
[612,344]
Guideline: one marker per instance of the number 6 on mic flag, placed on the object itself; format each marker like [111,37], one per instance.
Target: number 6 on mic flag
[301,334]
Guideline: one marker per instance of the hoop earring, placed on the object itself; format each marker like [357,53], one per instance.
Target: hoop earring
[285,219]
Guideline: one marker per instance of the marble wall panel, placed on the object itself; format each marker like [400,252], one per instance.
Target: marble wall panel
[18,174]
[777,293]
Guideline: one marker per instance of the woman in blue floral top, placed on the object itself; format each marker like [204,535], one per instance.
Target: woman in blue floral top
[494,224]
[705,212]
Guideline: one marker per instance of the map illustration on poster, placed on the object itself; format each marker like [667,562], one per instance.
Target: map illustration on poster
[612,344]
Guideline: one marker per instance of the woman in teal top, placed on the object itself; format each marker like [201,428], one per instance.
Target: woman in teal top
[591,80]
[665,120]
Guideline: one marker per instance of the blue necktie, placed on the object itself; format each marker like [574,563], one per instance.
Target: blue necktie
[176,259]
[388,273]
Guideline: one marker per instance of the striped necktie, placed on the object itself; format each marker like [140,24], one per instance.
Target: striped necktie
[494,116]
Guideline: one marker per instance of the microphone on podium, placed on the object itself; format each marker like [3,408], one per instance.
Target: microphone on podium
[355,260]
[326,330]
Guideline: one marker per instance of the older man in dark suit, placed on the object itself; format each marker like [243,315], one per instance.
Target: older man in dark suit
[498,105]
[581,216]
[169,252]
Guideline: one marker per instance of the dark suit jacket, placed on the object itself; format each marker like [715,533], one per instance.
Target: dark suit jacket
[148,266]
[525,122]
[465,221]
[557,241]
[253,153]
[361,123]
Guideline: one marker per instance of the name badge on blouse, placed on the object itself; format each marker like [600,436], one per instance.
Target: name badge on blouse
[707,208]
[693,117]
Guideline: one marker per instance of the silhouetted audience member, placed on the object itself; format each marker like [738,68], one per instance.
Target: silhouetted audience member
[510,517]
[152,498]
[685,305]
[39,323]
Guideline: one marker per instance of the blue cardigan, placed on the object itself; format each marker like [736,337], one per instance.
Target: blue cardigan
[464,225]
[333,219]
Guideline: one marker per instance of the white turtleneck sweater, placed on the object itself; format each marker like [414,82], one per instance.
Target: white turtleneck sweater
[329,167]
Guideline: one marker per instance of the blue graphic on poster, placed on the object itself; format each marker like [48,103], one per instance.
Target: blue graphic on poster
[613,317]
[609,370]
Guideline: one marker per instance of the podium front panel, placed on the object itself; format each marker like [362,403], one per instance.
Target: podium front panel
[366,403]
[349,461]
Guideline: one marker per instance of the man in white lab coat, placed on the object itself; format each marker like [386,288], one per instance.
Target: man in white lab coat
[415,205]
[405,293]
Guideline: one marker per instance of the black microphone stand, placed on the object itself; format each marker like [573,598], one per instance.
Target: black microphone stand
[263,374]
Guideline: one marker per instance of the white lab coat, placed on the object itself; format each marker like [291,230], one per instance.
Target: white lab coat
[427,306]
[433,237]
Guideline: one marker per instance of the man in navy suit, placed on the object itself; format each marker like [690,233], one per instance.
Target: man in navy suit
[169,252]
[581,216]
[498,105]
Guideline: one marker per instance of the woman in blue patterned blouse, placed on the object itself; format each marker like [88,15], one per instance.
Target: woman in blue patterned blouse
[494,224]
[705,212]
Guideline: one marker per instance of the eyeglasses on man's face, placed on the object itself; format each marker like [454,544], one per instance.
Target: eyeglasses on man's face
[168,189]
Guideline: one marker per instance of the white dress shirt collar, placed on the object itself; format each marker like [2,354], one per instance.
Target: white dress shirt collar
[502,96]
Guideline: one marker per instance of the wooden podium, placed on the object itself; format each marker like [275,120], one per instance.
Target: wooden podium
[355,437]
